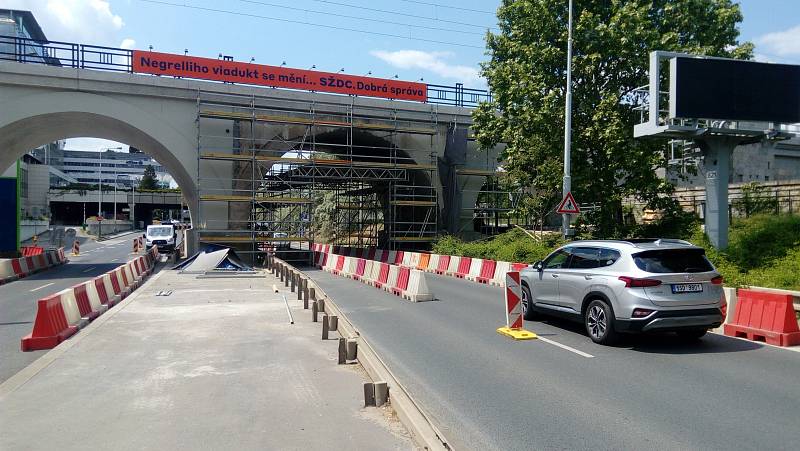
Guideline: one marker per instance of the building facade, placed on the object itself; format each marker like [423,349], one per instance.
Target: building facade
[123,169]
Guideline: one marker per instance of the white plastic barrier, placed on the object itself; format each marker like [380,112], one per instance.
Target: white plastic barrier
[394,270]
[375,271]
[70,306]
[406,259]
[113,298]
[6,270]
[500,274]
[475,269]
[350,264]
[433,263]
[452,267]
[94,297]
[414,261]
[366,278]
[417,287]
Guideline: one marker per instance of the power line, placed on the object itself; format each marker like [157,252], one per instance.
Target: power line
[450,7]
[396,13]
[371,19]
[333,27]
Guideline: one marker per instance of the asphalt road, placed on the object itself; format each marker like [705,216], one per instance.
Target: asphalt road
[486,391]
[18,298]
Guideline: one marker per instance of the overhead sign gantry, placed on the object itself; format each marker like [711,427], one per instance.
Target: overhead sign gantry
[718,103]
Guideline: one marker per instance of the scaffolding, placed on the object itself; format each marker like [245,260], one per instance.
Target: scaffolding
[265,164]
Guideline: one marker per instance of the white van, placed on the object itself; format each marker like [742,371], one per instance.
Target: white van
[162,236]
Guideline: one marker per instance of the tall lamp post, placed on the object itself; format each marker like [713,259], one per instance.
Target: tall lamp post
[567,187]
[100,194]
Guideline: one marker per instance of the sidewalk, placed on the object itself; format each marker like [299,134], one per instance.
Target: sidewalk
[214,365]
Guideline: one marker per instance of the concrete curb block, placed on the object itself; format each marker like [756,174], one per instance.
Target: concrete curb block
[23,376]
[408,411]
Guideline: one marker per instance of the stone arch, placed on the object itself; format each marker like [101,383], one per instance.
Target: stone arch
[37,119]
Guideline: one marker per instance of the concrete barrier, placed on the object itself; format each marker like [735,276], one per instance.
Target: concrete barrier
[417,288]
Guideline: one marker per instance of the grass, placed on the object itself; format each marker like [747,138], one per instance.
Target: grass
[763,250]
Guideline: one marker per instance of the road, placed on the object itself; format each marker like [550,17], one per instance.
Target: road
[18,298]
[486,391]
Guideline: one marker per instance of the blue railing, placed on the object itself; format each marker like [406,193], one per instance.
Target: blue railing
[82,56]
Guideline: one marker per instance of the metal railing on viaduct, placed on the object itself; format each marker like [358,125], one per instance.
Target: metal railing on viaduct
[82,56]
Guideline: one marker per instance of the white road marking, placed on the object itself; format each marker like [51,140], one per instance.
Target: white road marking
[568,348]
[43,286]
[116,259]
[89,269]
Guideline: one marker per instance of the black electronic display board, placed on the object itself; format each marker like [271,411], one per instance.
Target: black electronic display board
[735,90]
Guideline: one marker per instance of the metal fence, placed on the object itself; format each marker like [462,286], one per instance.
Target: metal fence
[82,56]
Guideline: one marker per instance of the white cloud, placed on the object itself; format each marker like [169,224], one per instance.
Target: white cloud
[128,43]
[781,43]
[430,61]
[82,21]
[93,144]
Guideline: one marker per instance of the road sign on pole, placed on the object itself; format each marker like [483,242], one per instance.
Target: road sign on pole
[568,205]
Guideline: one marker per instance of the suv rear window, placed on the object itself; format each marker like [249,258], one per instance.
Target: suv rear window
[673,260]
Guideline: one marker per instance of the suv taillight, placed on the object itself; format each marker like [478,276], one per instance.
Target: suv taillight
[632,282]
[717,280]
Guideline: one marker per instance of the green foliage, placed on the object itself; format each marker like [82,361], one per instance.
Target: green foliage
[512,246]
[756,198]
[675,223]
[612,41]
[763,250]
[324,222]
[148,181]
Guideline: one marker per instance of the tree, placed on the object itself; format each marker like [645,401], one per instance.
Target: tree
[611,44]
[148,181]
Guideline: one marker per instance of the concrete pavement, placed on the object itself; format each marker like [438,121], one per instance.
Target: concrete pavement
[486,391]
[18,298]
[215,365]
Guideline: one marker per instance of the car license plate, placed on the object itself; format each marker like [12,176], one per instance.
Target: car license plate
[687,288]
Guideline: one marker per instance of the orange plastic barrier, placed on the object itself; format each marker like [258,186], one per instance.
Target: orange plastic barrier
[767,317]
[423,261]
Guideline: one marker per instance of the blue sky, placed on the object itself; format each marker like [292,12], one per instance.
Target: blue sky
[396,38]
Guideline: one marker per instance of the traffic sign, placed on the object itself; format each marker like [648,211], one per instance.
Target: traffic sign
[568,205]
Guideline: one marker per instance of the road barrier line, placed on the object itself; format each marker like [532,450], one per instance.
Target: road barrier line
[43,286]
[565,347]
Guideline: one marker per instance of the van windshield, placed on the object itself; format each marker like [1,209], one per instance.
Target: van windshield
[160,231]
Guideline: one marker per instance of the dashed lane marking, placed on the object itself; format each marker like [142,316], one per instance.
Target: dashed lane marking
[43,286]
[565,347]
[89,269]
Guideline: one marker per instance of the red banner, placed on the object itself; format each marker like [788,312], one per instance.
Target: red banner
[281,77]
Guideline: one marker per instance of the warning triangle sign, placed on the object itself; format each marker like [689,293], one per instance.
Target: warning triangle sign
[568,205]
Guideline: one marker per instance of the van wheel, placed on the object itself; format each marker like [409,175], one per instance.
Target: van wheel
[599,322]
[527,304]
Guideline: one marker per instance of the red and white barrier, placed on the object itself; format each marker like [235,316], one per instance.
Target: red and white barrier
[513,304]
[474,269]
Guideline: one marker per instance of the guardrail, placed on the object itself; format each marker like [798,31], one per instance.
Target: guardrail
[83,56]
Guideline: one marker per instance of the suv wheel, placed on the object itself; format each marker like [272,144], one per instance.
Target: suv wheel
[527,303]
[599,322]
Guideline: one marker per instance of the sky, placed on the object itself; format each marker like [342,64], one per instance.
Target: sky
[438,41]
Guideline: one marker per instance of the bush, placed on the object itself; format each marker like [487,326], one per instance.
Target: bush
[512,246]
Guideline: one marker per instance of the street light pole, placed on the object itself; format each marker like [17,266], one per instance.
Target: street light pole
[100,196]
[567,187]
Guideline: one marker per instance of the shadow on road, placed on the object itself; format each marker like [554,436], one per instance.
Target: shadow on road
[662,343]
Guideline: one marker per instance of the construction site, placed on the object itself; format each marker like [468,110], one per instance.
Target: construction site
[293,172]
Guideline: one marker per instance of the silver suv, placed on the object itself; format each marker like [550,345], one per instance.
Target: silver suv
[616,287]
